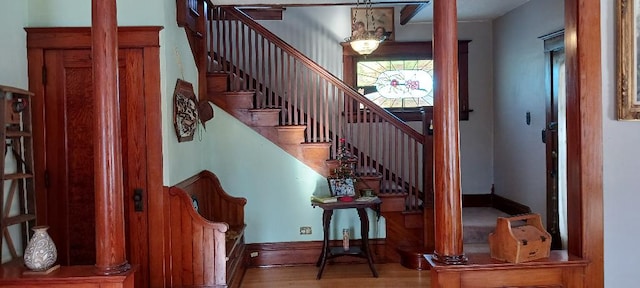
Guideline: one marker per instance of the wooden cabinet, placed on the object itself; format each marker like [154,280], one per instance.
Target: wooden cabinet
[61,76]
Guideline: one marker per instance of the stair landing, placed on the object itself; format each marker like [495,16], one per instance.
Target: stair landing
[477,224]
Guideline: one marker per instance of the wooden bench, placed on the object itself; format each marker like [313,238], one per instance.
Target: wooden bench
[206,247]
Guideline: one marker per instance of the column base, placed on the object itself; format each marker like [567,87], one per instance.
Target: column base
[112,270]
[450,259]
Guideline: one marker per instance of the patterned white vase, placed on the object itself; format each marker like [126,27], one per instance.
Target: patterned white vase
[41,252]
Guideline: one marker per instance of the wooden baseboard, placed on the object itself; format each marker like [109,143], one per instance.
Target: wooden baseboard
[476,200]
[509,206]
[305,253]
[492,200]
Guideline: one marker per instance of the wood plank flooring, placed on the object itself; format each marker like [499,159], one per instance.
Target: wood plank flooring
[336,275]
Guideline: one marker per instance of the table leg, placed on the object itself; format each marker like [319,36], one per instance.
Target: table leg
[326,223]
[364,232]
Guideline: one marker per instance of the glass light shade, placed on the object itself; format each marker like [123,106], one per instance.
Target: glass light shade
[364,46]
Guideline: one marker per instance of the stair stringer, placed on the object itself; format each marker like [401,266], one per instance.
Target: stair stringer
[399,235]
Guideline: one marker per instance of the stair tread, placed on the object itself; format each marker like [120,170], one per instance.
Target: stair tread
[321,144]
[384,193]
[265,110]
[238,92]
[291,127]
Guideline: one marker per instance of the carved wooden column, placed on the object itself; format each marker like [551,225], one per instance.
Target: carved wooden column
[448,199]
[110,245]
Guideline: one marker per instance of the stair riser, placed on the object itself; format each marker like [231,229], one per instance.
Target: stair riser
[264,118]
[291,135]
[241,101]
[217,83]
[392,204]
[316,154]
[372,183]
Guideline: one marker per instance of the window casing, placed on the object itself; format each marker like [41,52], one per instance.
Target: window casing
[401,61]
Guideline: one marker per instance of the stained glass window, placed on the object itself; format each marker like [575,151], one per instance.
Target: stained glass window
[396,83]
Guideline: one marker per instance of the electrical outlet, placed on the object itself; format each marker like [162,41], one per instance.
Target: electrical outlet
[305,230]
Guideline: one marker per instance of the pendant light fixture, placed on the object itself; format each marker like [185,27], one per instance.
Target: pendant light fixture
[362,40]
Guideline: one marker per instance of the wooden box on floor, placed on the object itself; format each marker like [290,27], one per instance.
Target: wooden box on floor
[519,239]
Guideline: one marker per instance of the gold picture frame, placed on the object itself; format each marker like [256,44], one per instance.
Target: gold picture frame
[382,17]
[628,50]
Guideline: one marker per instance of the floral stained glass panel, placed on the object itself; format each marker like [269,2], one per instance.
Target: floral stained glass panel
[396,84]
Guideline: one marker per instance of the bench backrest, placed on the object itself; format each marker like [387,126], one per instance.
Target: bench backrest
[214,204]
[195,248]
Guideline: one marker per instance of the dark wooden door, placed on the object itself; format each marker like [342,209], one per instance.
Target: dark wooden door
[69,125]
[554,136]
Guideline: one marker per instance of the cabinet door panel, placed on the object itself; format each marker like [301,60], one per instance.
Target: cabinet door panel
[69,125]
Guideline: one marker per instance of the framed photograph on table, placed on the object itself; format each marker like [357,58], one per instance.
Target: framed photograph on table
[628,50]
[342,187]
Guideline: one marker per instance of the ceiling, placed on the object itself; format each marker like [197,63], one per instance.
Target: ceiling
[468,10]
[474,10]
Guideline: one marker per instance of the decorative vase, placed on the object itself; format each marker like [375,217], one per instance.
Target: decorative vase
[41,252]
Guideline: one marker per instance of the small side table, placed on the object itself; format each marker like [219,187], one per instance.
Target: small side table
[333,252]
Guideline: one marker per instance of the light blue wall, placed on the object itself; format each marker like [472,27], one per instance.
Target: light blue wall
[181,160]
[278,187]
[13,72]
[46,13]
[519,81]
[13,55]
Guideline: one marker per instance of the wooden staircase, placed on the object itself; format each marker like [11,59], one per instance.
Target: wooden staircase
[403,228]
[299,106]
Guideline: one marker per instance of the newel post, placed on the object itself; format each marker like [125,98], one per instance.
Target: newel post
[446,145]
[110,238]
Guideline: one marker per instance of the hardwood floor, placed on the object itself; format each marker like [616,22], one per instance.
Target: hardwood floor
[336,275]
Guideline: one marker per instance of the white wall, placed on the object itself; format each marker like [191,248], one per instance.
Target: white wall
[519,88]
[46,13]
[309,31]
[13,63]
[621,167]
[181,160]
[318,32]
